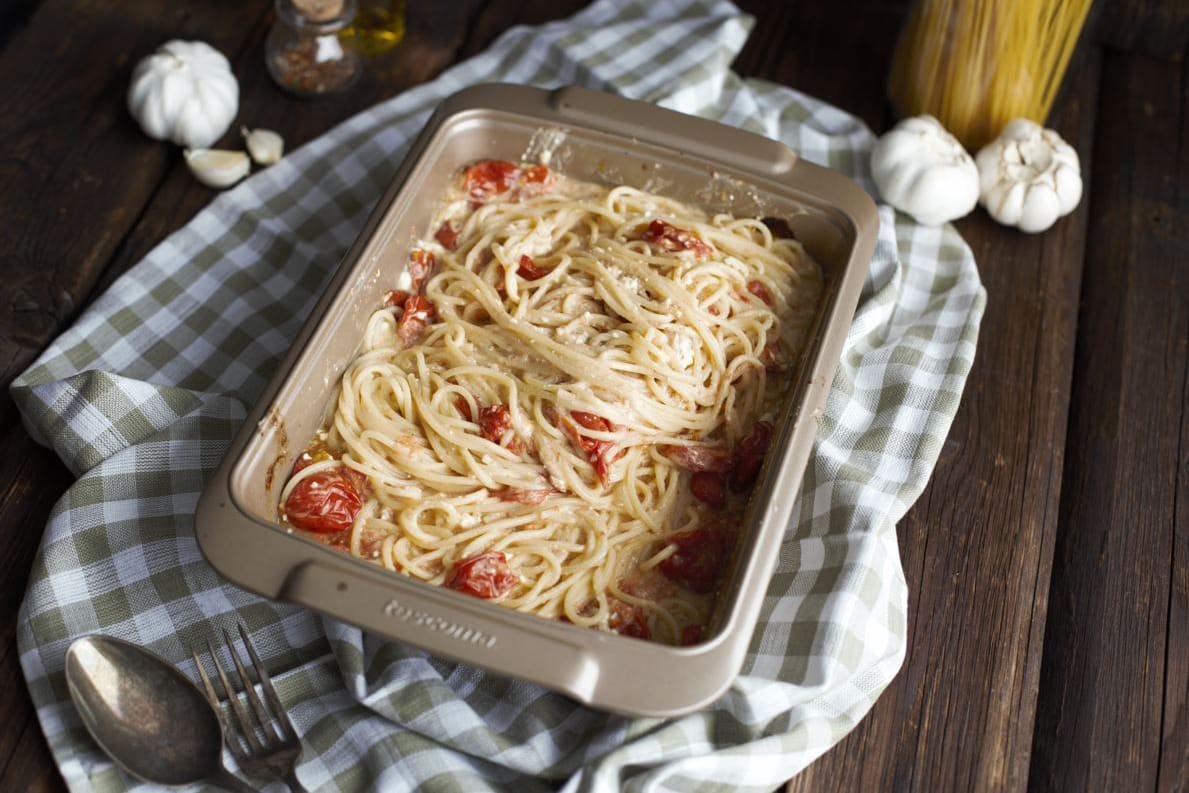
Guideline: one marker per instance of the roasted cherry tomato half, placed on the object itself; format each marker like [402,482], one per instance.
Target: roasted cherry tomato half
[698,561]
[486,575]
[709,487]
[750,456]
[326,501]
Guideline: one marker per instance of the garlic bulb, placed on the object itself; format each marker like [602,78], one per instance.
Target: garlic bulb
[1029,176]
[184,92]
[265,146]
[923,170]
[218,167]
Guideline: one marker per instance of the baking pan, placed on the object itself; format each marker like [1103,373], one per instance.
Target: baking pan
[595,137]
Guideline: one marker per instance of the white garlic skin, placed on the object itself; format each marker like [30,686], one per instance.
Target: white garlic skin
[265,146]
[184,92]
[218,168]
[1029,177]
[921,169]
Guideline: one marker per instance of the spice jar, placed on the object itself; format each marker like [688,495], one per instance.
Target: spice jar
[304,51]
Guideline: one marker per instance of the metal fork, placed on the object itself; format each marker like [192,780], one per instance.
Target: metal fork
[275,747]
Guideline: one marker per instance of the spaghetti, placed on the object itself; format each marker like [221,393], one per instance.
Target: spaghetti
[976,65]
[565,403]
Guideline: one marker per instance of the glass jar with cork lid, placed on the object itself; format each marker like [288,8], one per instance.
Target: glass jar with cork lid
[305,53]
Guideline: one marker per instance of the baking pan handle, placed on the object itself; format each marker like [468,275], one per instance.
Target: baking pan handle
[433,621]
[690,134]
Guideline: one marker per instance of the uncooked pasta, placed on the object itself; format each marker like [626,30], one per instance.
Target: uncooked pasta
[563,404]
[977,65]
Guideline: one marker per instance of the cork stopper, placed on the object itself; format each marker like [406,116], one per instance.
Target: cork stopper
[319,10]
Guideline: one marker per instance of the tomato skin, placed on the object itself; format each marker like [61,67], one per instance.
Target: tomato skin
[536,174]
[419,312]
[324,502]
[710,488]
[758,289]
[698,562]
[395,298]
[628,619]
[485,575]
[447,236]
[421,264]
[772,356]
[463,407]
[486,179]
[597,451]
[700,458]
[527,497]
[750,456]
[494,421]
[529,270]
[668,237]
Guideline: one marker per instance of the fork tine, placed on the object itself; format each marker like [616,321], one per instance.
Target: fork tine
[232,743]
[245,723]
[266,684]
[271,733]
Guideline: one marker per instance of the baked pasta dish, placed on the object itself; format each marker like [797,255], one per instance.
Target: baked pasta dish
[563,404]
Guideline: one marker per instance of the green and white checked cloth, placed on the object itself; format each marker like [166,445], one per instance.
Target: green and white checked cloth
[141,397]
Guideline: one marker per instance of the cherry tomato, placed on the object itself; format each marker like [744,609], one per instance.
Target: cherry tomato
[484,575]
[486,179]
[700,458]
[447,236]
[494,421]
[324,502]
[691,635]
[758,289]
[628,619]
[395,298]
[750,456]
[528,497]
[529,270]
[536,174]
[598,451]
[463,407]
[698,562]
[668,237]
[419,312]
[709,487]
[772,356]
[421,264]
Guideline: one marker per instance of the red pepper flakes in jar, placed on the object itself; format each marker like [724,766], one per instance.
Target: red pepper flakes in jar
[305,53]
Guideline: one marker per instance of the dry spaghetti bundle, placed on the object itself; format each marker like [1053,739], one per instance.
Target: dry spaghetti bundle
[976,65]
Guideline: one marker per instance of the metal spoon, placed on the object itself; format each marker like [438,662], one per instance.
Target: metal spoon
[148,716]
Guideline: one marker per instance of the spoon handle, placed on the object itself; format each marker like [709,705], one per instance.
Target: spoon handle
[225,779]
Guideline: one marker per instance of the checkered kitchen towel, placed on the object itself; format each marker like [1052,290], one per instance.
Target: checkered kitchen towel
[142,395]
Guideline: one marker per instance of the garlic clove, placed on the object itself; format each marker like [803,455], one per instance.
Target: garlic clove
[265,146]
[217,167]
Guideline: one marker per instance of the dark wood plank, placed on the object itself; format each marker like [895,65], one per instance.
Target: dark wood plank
[1113,707]
[977,547]
[31,768]
[1159,28]
[435,33]
[835,52]
[31,479]
[76,171]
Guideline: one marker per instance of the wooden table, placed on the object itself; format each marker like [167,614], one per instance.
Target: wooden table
[1048,561]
